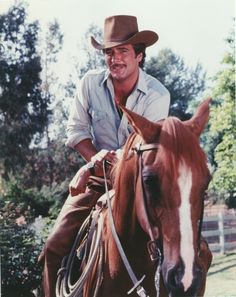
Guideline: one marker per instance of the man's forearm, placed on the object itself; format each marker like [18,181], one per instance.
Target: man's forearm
[86,149]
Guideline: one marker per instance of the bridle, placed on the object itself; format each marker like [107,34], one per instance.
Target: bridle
[139,149]
[153,245]
[153,248]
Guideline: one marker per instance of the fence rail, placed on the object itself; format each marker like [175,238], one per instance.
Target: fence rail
[220,232]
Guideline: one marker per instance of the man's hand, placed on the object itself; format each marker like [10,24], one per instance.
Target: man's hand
[79,181]
[109,156]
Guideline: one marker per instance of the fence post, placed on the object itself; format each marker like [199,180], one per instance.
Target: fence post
[221,231]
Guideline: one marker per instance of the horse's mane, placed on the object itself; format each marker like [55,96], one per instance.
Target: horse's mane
[123,181]
[116,171]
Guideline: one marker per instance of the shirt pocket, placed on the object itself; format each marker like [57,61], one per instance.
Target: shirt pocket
[99,122]
[97,115]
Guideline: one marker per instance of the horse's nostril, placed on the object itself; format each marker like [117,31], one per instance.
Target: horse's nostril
[174,276]
[198,276]
[175,284]
[181,284]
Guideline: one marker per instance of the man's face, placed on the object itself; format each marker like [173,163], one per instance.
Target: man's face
[122,61]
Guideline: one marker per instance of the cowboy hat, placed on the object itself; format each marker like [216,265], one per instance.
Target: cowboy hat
[123,29]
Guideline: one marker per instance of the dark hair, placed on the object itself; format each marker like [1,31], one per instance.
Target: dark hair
[140,48]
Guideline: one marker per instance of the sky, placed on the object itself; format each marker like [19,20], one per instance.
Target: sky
[194,29]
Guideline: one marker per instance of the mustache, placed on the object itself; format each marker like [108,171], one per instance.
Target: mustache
[117,64]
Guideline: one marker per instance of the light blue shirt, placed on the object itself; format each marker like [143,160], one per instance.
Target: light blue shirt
[95,116]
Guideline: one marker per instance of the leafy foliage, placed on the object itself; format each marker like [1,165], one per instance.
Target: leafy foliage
[222,130]
[183,83]
[64,164]
[94,59]
[19,245]
[23,111]
[22,236]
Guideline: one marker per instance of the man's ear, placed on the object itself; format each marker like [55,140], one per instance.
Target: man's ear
[139,57]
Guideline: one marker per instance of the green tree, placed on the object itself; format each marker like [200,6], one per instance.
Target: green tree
[222,131]
[92,59]
[50,84]
[53,163]
[26,98]
[183,83]
[23,111]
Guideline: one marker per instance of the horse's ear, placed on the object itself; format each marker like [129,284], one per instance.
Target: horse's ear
[145,128]
[200,118]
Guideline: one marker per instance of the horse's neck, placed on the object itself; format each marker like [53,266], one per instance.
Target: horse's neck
[130,234]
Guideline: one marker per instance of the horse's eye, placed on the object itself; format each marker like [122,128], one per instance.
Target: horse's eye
[152,188]
[151,183]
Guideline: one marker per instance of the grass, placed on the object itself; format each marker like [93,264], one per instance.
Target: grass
[221,280]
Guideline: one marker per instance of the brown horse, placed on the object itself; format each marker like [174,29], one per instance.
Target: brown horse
[157,210]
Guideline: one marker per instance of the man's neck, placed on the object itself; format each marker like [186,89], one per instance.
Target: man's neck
[123,89]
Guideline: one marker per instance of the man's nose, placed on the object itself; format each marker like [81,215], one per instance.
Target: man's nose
[116,57]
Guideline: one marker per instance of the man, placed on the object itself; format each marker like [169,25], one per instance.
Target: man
[97,129]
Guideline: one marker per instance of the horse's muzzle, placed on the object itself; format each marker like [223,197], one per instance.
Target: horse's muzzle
[174,281]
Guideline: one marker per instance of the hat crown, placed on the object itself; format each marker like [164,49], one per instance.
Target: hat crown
[119,28]
[123,29]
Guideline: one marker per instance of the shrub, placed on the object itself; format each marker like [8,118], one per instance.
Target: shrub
[21,240]
[19,250]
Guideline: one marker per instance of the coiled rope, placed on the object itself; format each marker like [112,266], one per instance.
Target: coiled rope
[90,238]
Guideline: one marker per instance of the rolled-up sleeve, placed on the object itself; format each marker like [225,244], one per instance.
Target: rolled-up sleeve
[78,125]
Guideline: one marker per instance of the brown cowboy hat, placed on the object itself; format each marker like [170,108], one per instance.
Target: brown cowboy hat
[123,29]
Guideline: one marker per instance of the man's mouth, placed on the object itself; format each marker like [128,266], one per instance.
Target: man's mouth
[115,67]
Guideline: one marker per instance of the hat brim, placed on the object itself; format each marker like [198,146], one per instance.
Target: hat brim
[146,37]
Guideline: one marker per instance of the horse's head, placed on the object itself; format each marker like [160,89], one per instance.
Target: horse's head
[170,181]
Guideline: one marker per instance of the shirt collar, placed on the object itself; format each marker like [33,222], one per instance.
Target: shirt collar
[142,84]
[106,76]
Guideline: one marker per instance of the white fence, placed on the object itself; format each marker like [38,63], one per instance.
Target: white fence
[220,232]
